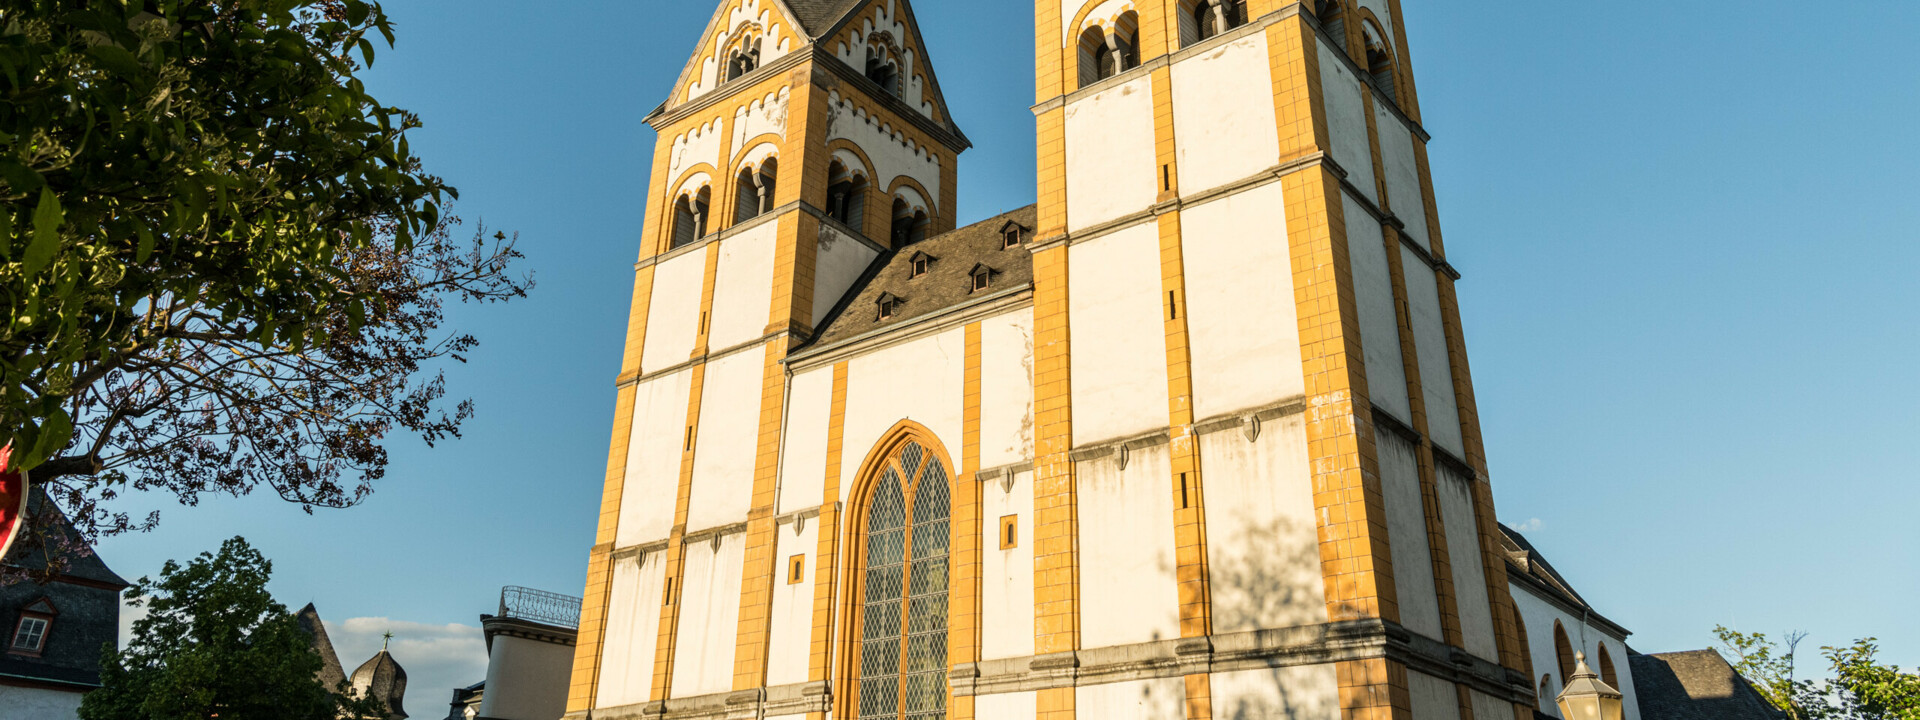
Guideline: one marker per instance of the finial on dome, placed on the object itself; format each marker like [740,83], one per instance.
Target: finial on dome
[387,640]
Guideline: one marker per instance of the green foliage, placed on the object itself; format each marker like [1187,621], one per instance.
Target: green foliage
[221,266]
[1862,688]
[215,644]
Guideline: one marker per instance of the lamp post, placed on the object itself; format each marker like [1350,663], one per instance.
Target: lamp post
[1587,697]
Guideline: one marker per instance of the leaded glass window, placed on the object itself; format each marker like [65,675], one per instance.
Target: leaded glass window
[903,625]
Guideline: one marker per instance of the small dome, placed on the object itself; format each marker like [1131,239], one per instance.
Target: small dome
[383,678]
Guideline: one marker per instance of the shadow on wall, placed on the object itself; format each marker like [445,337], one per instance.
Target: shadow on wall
[1267,577]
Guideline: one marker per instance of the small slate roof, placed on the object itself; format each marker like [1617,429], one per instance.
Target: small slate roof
[1697,685]
[1522,555]
[817,17]
[948,282]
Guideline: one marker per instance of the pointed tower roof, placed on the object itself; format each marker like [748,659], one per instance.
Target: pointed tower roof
[382,677]
[818,17]
[331,674]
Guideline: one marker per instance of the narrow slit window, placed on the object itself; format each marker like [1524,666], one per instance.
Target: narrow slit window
[1009,532]
[796,569]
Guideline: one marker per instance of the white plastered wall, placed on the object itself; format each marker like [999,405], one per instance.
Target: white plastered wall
[1379,320]
[727,441]
[1262,541]
[838,263]
[709,616]
[699,146]
[1011,706]
[1436,699]
[1241,320]
[743,287]
[633,630]
[894,155]
[922,381]
[791,634]
[673,315]
[1119,360]
[1347,121]
[38,704]
[1129,586]
[1006,388]
[1303,692]
[1539,616]
[1006,599]
[653,458]
[1223,107]
[1157,699]
[1403,174]
[1430,344]
[1407,535]
[1111,171]
[526,678]
[765,116]
[1469,570]
[803,465]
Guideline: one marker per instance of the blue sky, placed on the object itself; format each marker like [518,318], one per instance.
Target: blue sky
[1687,234]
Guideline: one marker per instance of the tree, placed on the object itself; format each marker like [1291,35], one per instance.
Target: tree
[215,644]
[221,266]
[1862,688]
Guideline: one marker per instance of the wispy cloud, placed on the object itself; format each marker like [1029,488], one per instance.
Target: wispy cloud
[438,658]
[1531,525]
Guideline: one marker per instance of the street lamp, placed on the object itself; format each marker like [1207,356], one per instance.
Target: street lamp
[1587,697]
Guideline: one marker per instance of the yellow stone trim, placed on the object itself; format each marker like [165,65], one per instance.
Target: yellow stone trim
[1199,697]
[826,569]
[1410,95]
[1048,73]
[1294,61]
[761,564]
[964,616]
[1056,501]
[1052,167]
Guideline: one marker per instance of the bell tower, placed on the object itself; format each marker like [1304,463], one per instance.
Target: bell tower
[801,141]
[1237,226]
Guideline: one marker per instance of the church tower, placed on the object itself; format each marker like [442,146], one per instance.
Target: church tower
[1254,174]
[1192,438]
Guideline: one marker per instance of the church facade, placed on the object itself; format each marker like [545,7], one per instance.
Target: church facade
[1193,437]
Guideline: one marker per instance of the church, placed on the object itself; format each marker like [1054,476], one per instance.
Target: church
[1193,437]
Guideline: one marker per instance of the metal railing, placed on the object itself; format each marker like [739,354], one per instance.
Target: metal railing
[540,606]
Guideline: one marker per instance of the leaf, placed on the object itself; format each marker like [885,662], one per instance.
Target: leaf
[146,245]
[55,433]
[46,233]
[116,59]
[6,234]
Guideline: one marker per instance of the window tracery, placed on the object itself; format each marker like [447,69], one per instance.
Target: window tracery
[902,643]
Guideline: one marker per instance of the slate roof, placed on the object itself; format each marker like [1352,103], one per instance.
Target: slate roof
[331,674]
[817,17]
[1697,685]
[1522,555]
[30,553]
[383,678]
[948,282]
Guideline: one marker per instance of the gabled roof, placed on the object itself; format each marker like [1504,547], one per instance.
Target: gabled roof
[1697,685]
[946,284]
[35,554]
[817,18]
[331,674]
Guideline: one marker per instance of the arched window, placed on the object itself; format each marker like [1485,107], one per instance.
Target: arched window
[1606,668]
[1380,60]
[1546,690]
[1209,18]
[1095,60]
[882,70]
[1333,19]
[744,61]
[902,623]
[1126,41]
[846,196]
[909,223]
[1526,651]
[690,216]
[754,193]
[1563,650]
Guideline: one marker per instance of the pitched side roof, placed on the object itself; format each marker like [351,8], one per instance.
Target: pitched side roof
[1697,685]
[948,282]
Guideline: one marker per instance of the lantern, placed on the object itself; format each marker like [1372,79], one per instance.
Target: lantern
[1587,697]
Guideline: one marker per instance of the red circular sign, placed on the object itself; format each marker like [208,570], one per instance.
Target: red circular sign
[13,500]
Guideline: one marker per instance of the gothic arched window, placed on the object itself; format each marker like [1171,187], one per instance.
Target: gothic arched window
[1380,60]
[1333,18]
[1563,651]
[1606,668]
[902,623]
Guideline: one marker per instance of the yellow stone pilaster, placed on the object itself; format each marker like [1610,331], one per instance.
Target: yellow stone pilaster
[826,566]
[964,610]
